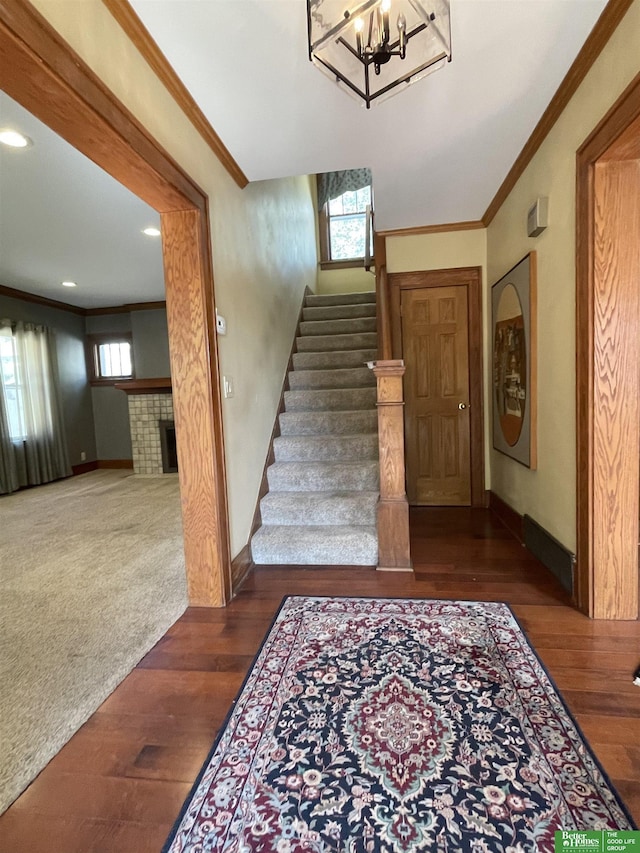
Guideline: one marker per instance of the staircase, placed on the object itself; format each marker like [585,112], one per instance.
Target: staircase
[323,486]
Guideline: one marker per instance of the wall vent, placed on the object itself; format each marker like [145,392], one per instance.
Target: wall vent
[549,551]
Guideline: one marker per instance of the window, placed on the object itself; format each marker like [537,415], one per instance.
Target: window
[343,228]
[12,387]
[110,358]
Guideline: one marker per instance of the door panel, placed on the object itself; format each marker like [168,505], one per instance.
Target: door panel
[436,354]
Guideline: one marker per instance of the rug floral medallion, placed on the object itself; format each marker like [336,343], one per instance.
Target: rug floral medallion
[396,726]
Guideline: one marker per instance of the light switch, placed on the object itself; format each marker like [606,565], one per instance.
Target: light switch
[227,384]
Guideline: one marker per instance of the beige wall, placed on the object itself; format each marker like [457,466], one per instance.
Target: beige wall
[549,494]
[445,250]
[354,280]
[263,239]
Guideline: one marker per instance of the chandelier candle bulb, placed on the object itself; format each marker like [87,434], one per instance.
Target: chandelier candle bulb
[359,26]
[386,6]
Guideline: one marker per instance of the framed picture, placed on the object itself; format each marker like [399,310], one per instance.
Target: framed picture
[513,311]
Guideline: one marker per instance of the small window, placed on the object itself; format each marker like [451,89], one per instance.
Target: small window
[343,228]
[110,358]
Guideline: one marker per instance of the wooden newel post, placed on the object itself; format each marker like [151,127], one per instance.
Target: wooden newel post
[393,509]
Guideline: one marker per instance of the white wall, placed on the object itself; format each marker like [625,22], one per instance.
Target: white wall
[263,239]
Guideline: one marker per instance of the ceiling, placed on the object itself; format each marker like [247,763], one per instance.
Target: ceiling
[439,150]
[62,218]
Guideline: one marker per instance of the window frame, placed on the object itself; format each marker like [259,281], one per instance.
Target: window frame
[326,261]
[92,345]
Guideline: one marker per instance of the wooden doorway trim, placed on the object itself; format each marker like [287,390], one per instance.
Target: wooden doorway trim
[471,278]
[607,359]
[40,71]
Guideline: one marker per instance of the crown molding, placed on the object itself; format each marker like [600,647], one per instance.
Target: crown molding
[604,28]
[26,296]
[470,225]
[126,17]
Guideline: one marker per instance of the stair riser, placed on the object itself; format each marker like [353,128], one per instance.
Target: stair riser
[340,298]
[338,312]
[294,477]
[359,448]
[324,343]
[333,360]
[338,327]
[354,548]
[293,508]
[328,423]
[345,399]
[360,377]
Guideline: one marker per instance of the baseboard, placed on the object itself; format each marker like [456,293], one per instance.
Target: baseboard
[558,559]
[511,519]
[84,468]
[241,565]
[115,463]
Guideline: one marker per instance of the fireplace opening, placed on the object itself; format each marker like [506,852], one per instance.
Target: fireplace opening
[168,447]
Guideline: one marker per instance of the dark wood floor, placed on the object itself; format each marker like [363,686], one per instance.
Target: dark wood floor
[117,786]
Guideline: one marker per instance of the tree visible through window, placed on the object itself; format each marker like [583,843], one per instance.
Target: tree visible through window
[346,220]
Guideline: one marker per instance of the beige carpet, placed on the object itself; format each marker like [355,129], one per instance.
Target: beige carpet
[91,576]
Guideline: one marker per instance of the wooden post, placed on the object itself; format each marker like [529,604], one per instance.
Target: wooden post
[393,509]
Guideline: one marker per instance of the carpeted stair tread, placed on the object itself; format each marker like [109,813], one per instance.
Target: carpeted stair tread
[340,298]
[332,360]
[356,377]
[321,507]
[328,423]
[338,327]
[321,343]
[334,399]
[343,508]
[340,312]
[316,545]
[323,476]
[323,448]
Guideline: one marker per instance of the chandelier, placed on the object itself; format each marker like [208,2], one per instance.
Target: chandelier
[375,46]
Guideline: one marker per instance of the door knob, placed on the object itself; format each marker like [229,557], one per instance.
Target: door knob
[463,406]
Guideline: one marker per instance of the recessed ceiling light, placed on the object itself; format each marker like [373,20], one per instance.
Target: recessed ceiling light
[14,139]
[69,284]
[152,232]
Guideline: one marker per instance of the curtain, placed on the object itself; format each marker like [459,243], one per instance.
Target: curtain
[32,435]
[333,184]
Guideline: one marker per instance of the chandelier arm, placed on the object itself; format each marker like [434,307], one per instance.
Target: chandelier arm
[408,77]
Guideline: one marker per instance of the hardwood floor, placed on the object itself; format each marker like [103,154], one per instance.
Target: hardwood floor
[119,783]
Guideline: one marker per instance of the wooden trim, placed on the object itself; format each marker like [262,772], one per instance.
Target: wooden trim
[84,468]
[606,577]
[342,265]
[161,385]
[127,308]
[115,463]
[241,565]
[471,278]
[40,71]
[606,25]
[512,520]
[40,300]
[469,225]
[157,61]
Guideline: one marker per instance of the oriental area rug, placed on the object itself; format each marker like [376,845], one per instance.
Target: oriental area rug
[396,726]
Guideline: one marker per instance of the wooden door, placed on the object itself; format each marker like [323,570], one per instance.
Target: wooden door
[435,345]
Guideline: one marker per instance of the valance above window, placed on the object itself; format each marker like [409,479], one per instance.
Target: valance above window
[334,184]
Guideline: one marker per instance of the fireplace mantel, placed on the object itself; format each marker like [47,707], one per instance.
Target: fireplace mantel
[146,386]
